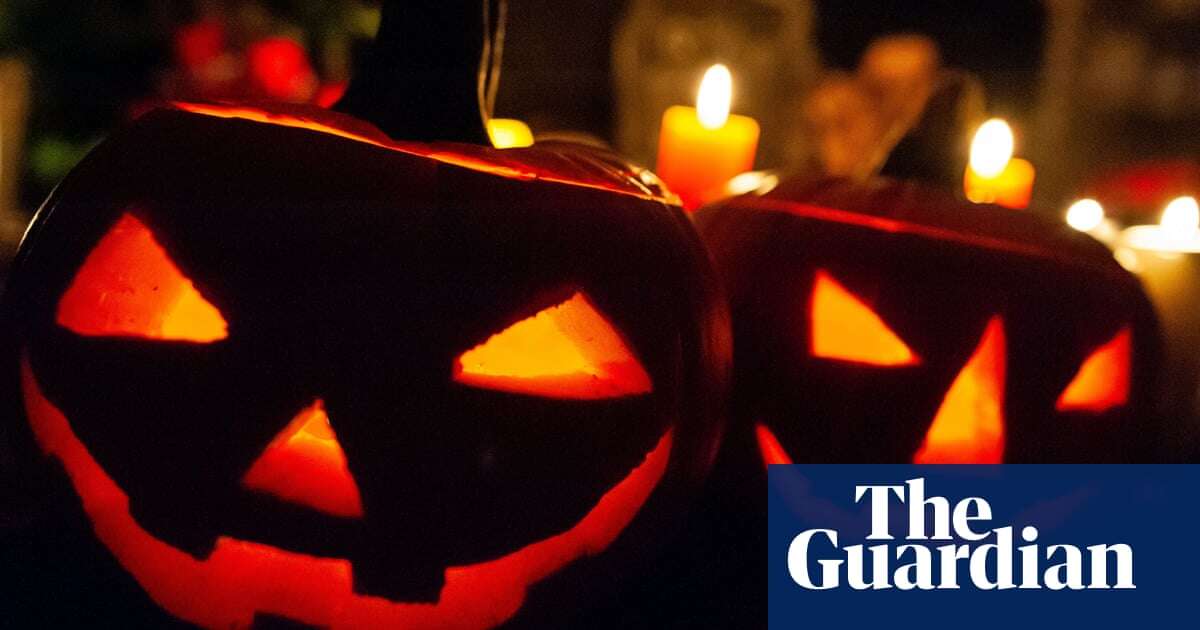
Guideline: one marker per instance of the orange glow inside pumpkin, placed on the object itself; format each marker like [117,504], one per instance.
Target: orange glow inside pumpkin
[305,465]
[129,287]
[770,448]
[846,329]
[1103,380]
[241,578]
[565,351]
[969,425]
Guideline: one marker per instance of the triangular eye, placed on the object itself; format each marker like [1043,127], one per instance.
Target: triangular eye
[565,351]
[1103,379]
[129,287]
[846,329]
[305,465]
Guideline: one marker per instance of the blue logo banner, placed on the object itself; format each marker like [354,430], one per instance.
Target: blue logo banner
[983,546]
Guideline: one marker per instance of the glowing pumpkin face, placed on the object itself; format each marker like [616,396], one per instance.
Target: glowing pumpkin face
[887,324]
[295,370]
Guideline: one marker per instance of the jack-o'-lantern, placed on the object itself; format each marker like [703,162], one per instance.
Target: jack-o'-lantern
[298,372]
[886,323]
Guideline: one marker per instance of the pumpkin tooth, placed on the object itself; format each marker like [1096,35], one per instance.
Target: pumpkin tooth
[377,575]
[275,622]
[181,530]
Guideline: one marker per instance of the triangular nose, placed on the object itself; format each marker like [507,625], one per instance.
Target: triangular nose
[305,465]
[969,426]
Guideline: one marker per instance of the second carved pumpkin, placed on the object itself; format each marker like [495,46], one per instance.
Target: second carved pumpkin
[886,323]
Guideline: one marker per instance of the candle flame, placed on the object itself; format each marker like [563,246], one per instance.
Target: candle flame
[992,148]
[509,133]
[716,92]
[1085,215]
[1181,216]
[757,182]
[1178,231]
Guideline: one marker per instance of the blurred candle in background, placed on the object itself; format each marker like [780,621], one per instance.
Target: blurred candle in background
[993,175]
[1181,217]
[1166,257]
[1085,215]
[700,149]
[1178,230]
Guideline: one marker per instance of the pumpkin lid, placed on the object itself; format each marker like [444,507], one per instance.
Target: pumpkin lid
[559,162]
[907,207]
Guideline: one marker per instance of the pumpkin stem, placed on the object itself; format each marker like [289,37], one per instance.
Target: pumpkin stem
[433,71]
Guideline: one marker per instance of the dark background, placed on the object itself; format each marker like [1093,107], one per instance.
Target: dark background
[91,60]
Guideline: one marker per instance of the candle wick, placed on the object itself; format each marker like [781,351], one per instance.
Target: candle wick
[494,19]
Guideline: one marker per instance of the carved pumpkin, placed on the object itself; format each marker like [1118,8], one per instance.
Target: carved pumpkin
[295,370]
[884,323]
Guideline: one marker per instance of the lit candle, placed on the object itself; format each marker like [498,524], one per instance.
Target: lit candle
[702,148]
[509,133]
[1085,215]
[993,174]
[1088,216]
[1177,232]
[1166,257]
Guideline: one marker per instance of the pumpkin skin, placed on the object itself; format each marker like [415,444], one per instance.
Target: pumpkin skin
[358,273]
[886,323]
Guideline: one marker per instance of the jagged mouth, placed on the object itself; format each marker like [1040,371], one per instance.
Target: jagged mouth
[968,427]
[242,579]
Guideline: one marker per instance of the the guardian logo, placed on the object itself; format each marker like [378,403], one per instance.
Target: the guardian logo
[989,558]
